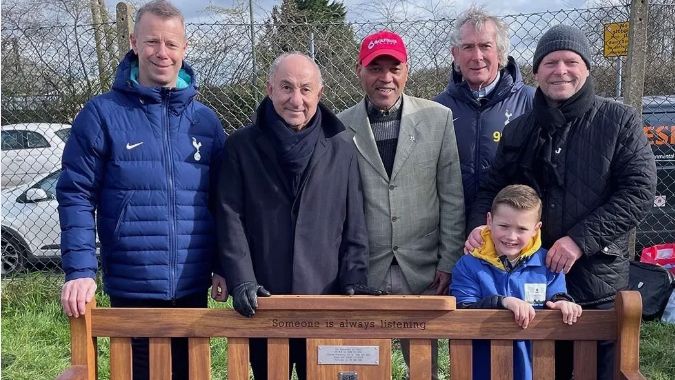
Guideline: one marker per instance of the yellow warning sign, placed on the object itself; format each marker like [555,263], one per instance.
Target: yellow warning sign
[616,39]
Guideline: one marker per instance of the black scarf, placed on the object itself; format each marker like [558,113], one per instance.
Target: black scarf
[294,149]
[553,124]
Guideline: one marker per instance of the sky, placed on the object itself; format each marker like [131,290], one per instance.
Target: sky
[193,9]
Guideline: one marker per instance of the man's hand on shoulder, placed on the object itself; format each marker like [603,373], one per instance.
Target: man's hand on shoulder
[475,240]
[75,294]
[562,255]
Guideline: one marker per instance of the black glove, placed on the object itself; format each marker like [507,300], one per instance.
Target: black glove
[356,289]
[245,297]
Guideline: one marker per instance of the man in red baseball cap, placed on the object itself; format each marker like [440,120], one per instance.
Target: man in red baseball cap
[383,52]
[410,174]
[382,43]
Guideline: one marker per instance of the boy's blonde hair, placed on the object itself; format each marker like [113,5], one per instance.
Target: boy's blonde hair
[519,197]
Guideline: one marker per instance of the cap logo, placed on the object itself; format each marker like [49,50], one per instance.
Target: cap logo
[374,43]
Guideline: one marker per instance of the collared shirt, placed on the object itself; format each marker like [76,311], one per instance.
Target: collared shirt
[386,124]
[485,91]
[376,114]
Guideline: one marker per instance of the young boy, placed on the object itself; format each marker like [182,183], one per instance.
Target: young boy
[509,271]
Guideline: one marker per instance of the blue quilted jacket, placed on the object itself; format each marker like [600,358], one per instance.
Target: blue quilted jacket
[478,126]
[142,160]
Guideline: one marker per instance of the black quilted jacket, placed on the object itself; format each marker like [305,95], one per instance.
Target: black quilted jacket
[609,183]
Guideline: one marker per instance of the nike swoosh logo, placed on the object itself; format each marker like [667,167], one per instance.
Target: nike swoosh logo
[132,146]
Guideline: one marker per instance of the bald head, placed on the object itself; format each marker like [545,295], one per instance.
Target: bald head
[294,56]
[295,87]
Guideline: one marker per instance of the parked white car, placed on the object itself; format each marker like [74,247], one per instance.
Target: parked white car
[31,150]
[30,224]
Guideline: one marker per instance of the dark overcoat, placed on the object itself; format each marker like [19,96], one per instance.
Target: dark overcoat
[609,183]
[314,242]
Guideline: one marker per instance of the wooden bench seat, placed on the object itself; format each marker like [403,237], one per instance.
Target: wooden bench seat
[419,318]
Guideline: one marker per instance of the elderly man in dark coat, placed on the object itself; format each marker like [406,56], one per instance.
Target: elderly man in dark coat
[290,210]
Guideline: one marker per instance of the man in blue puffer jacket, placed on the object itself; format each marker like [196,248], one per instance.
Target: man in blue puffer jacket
[143,158]
[485,92]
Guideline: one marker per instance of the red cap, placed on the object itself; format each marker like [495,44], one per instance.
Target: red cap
[382,43]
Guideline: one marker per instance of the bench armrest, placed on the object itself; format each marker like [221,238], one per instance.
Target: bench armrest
[632,375]
[75,372]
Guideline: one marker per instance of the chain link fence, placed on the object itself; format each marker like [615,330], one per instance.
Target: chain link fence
[50,72]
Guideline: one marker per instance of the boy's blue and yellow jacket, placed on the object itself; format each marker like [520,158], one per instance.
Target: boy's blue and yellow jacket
[481,280]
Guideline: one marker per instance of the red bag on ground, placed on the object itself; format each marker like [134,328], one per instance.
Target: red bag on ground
[660,254]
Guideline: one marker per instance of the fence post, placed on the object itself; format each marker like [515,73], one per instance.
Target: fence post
[125,25]
[103,65]
[637,54]
[251,20]
[635,70]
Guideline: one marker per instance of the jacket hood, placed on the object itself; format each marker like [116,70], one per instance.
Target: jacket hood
[511,81]
[125,81]
[487,252]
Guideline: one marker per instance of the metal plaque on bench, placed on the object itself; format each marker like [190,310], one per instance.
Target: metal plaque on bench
[361,355]
[348,359]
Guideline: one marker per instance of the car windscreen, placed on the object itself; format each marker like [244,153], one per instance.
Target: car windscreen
[63,134]
[23,139]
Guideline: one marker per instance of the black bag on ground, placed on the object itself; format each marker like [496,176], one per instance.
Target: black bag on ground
[655,283]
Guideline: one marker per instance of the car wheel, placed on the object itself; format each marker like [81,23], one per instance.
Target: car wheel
[13,255]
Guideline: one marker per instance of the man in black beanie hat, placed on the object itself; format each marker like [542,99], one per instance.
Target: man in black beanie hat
[591,164]
[562,37]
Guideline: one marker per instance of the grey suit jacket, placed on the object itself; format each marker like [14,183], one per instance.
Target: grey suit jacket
[416,215]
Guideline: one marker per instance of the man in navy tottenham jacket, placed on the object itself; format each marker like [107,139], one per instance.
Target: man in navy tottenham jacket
[485,92]
[138,169]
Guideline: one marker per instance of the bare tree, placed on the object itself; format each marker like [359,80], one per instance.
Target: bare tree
[389,12]
[53,62]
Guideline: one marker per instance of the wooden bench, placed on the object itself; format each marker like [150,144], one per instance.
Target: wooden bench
[419,318]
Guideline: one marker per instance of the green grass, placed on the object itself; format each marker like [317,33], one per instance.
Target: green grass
[36,341]
[33,331]
[657,350]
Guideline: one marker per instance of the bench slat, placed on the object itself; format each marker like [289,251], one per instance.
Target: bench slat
[420,358]
[330,371]
[543,353]
[160,358]
[83,345]
[120,358]
[237,359]
[461,357]
[460,324]
[501,359]
[585,359]
[277,359]
[342,303]
[199,358]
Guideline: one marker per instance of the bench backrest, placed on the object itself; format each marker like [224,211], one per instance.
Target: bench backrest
[419,318]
